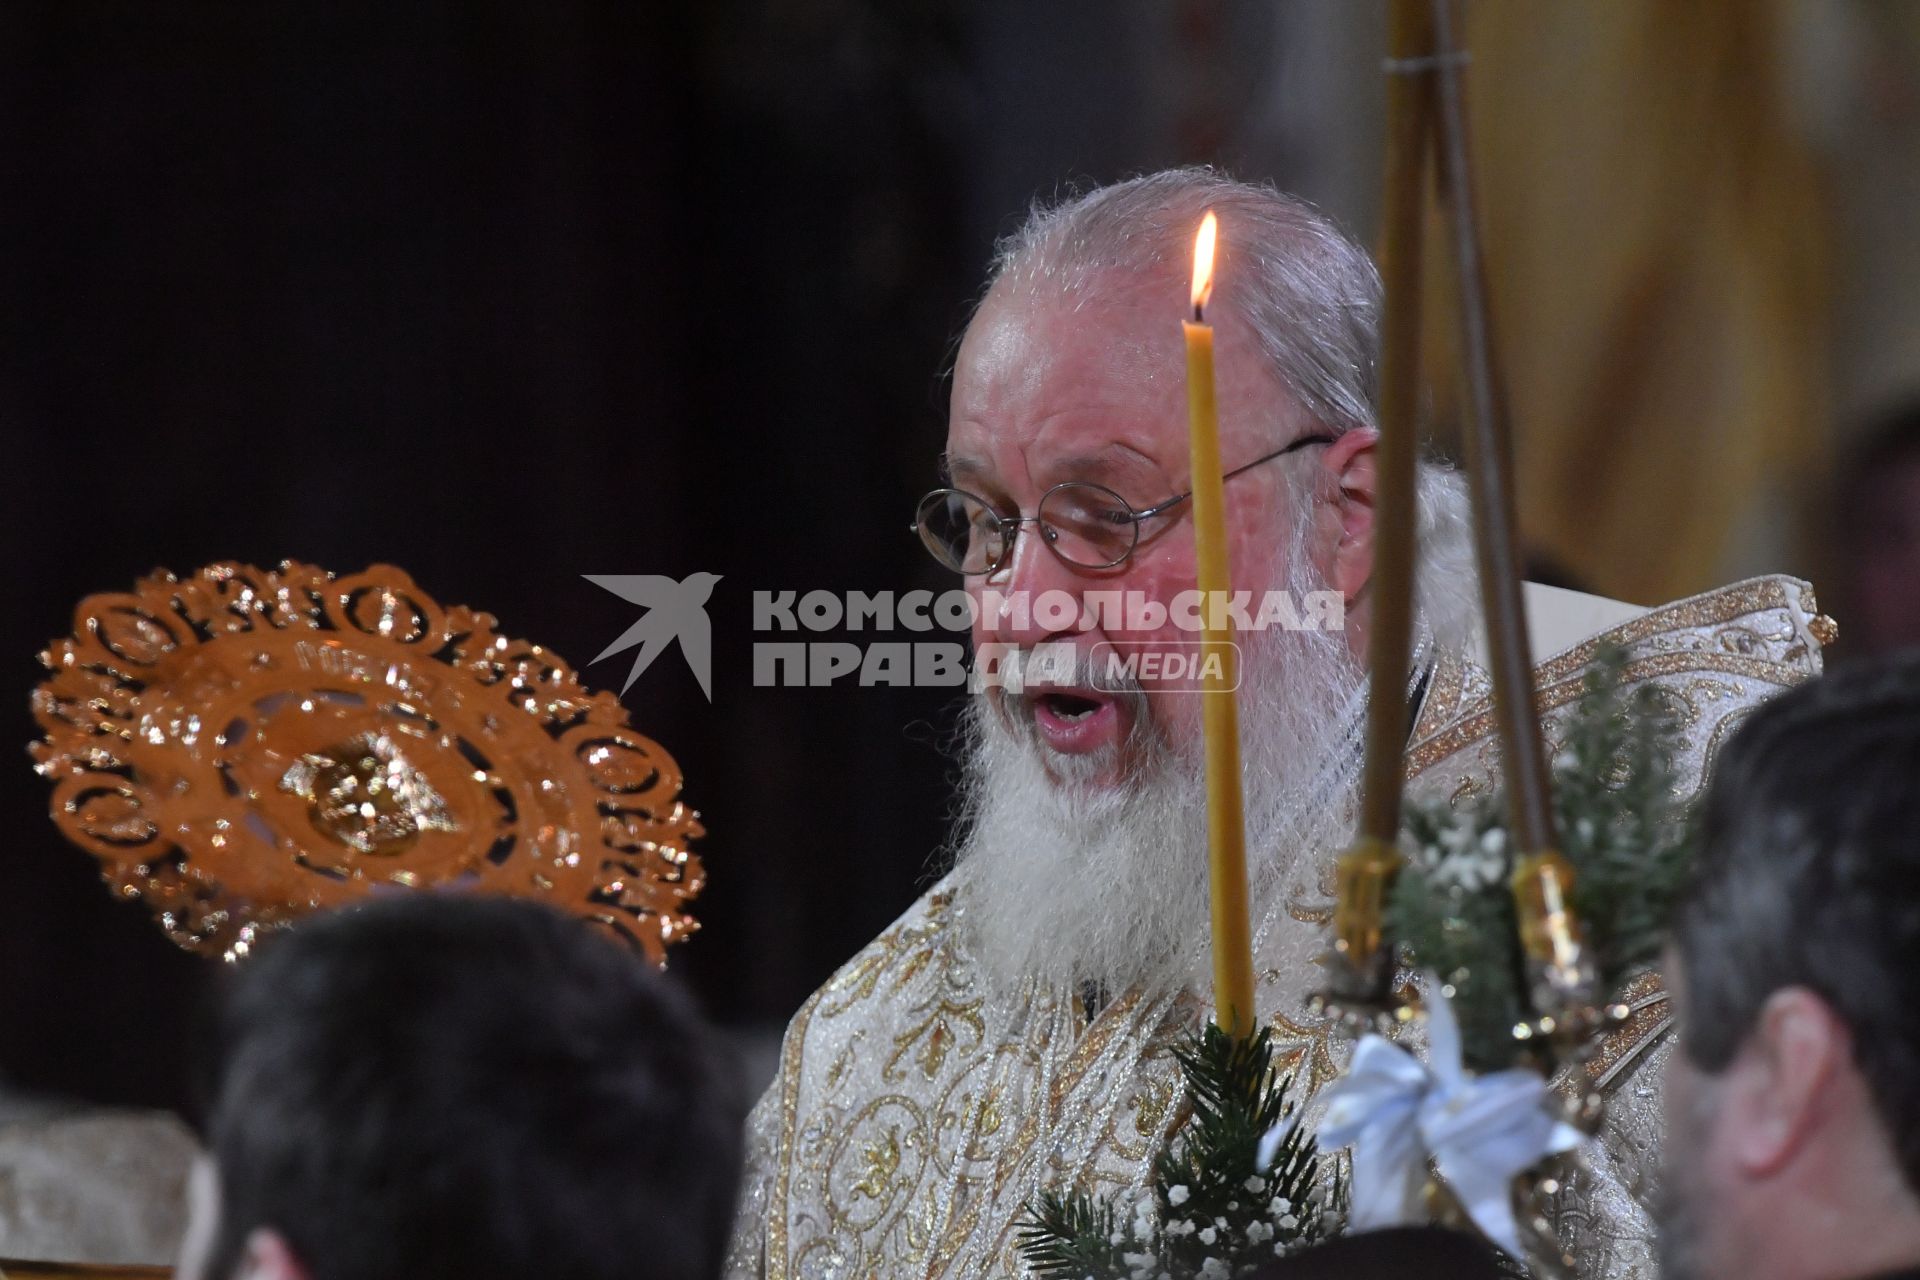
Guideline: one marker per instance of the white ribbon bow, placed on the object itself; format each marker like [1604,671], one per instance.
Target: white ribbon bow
[1480,1131]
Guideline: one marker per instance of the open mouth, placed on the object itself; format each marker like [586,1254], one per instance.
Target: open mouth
[1069,708]
[1074,720]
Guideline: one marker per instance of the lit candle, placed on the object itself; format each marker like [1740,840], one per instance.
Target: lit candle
[1226,834]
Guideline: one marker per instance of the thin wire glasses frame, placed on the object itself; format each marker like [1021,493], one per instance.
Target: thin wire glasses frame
[1102,521]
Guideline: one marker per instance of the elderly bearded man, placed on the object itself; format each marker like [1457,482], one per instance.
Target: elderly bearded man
[1011,1031]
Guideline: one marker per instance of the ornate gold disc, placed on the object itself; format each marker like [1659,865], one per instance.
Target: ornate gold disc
[241,747]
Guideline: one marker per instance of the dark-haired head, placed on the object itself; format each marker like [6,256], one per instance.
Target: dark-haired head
[1797,967]
[436,1086]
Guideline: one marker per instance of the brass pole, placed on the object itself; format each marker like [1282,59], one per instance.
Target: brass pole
[1367,867]
[1560,964]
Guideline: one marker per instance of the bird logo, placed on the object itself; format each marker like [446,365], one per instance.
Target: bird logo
[675,611]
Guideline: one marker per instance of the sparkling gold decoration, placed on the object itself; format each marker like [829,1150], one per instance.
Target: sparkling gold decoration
[240,747]
[364,794]
[1534,1194]
[1635,1023]
[1365,963]
[1559,962]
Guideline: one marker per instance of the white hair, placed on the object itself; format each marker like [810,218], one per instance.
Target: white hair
[1069,881]
[1309,293]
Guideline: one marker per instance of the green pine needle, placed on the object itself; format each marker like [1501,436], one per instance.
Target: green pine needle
[1206,1181]
[1621,823]
[1069,1237]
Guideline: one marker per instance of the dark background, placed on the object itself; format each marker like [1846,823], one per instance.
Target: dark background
[506,294]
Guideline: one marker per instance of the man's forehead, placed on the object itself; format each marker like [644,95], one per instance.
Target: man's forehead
[1019,335]
[1108,463]
[1092,388]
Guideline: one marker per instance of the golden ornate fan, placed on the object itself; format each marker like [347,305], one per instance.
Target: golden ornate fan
[241,747]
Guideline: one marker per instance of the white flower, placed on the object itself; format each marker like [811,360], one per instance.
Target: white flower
[1214,1269]
[1279,1206]
[1177,1196]
[1258,1232]
[1209,1235]
[1289,1223]
[1494,842]
[1117,1239]
[1256,1184]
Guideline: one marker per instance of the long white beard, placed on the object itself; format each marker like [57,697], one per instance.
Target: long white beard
[1073,881]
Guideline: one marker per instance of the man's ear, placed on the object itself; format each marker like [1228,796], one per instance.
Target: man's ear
[1350,464]
[1783,1080]
[268,1256]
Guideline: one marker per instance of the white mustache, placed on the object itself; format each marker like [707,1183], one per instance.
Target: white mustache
[1046,665]
[1074,877]
[1019,668]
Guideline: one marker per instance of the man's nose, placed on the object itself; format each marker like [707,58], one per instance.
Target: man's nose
[1034,597]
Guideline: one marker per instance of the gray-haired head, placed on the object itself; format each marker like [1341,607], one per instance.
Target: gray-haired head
[1308,292]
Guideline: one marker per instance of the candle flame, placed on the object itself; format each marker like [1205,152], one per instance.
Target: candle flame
[1203,262]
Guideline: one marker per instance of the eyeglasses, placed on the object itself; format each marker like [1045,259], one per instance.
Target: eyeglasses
[1087,525]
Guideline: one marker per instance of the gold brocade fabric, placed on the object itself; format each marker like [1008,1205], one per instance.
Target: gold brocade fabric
[915,1114]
